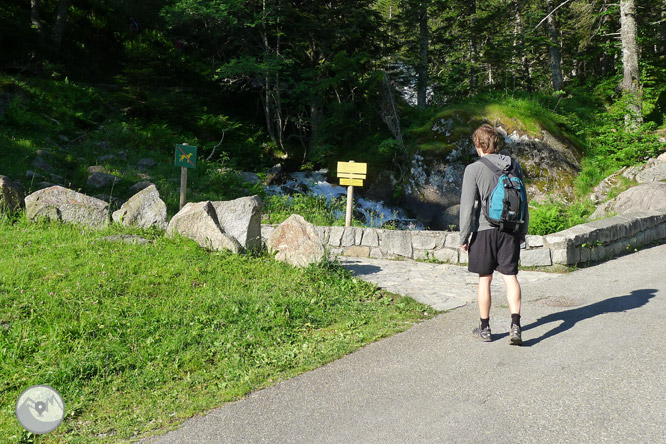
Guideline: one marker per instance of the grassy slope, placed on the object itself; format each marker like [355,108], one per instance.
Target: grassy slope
[139,337]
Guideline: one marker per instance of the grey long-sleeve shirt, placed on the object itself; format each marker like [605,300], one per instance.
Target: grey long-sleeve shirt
[477,186]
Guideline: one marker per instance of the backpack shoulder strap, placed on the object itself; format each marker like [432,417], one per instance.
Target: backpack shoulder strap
[494,168]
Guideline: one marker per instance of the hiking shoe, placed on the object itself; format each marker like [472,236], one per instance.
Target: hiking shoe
[515,336]
[483,335]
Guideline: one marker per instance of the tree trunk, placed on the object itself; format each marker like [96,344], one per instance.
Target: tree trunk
[631,77]
[661,49]
[34,17]
[518,47]
[422,69]
[58,29]
[473,78]
[555,56]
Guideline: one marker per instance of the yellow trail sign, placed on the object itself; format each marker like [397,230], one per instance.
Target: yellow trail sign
[352,167]
[352,182]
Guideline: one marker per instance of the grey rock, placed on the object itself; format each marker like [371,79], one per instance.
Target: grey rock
[145,163]
[648,196]
[241,219]
[535,258]
[145,209]
[32,175]
[448,255]
[96,169]
[43,153]
[397,242]
[104,145]
[128,239]
[99,180]
[296,242]
[198,221]
[11,196]
[370,238]
[106,157]
[139,186]
[652,174]
[66,205]
[41,164]
[251,178]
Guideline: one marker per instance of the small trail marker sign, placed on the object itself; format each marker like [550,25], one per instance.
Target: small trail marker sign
[351,174]
[186,156]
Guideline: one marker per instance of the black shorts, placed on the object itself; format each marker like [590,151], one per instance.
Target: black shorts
[491,250]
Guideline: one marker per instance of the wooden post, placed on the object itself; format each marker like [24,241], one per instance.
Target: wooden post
[183,186]
[350,199]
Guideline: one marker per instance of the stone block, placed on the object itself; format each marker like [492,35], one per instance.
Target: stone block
[558,241]
[358,235]
[452,240]
[323,232]
[447,255]
[348,237]
[422,255]
[585,254]
[463,257]
[534,241]
[370,238]
[397,243]
[335,238]
[539,257]
[357,251]
[423,240]
[565,256]
[598,253]
[376,253]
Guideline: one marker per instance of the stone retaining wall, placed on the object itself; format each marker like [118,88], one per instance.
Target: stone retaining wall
[590,242]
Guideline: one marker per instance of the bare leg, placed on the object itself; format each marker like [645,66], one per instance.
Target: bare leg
[483,294]
[513,295]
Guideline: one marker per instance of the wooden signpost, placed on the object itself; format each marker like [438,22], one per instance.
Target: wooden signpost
[351,174]
[186,157]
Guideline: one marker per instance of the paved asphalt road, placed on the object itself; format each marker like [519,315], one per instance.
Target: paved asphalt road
[592,370]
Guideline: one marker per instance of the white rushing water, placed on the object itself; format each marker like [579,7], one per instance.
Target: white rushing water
[314,183]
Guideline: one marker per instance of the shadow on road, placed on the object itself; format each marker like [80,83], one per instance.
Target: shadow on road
[569,318]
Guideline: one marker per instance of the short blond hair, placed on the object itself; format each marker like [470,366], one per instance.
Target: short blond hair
[485,138]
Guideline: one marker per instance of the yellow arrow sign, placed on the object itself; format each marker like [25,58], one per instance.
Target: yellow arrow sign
[352,182]
[352,167]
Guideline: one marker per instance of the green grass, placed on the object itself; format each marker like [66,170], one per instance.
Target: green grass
[138,338]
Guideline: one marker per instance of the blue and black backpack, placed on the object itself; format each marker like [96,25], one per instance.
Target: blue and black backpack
[506,205]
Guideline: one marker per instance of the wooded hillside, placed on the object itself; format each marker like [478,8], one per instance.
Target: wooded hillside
[305,81]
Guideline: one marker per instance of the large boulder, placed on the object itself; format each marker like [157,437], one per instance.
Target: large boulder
[63,204]
[241,218]
[145,209]
[11,196]
[296,242]
[198,221]
[648,196]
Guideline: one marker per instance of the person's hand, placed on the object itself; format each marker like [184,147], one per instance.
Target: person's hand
[463,247]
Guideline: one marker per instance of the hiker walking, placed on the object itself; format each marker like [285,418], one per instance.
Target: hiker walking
[493,185]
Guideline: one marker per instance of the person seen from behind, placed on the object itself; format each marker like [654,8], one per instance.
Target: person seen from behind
[491,247]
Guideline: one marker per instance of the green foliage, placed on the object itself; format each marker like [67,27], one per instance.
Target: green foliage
[180,328]
[553,216]
[315,209]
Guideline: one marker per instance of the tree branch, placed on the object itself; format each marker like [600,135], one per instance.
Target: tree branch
[215,147]
[551,13]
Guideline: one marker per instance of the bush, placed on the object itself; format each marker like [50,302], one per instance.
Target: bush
[554,216]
